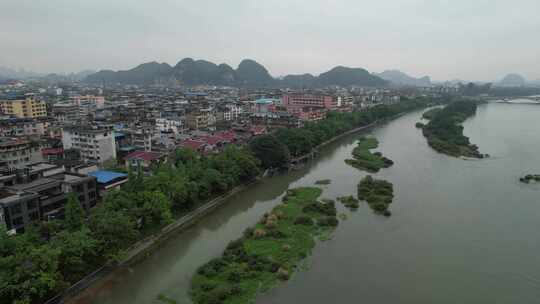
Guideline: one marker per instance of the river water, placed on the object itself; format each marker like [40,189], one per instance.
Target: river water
[461,231]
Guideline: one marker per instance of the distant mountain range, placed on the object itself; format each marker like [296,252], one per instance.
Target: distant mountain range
[22,74]
[249,74]
[9,73]
[401,79]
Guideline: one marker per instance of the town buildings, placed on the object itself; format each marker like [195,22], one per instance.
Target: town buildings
[23,106]
[39,193]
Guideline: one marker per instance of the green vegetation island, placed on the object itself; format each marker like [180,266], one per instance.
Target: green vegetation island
[364,159]
[377,193]
[444,132]
[267,253]
[530,178]
[349,202]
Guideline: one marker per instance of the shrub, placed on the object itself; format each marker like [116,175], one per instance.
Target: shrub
[303,220]
[283,274]
[259,233]
[328,221]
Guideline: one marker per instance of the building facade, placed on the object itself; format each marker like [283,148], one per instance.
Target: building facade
[306,100]
[24,107]
[16,152]
[95,144]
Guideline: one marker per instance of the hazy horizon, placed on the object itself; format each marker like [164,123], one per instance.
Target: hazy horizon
[480,41]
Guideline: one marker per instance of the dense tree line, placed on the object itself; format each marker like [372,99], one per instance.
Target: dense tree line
[300,141]
[49,257]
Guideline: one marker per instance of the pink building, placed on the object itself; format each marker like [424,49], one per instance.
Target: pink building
[304,100]
[81,100]
[307,113]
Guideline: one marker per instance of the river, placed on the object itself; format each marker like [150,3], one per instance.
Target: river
[461,231]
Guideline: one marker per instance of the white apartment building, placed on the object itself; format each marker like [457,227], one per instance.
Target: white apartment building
[168,124]
[96,144]
[233,111]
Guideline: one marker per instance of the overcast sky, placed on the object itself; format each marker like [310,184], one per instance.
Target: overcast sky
[445,39]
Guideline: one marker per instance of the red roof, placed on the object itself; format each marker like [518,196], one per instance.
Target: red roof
[211,140]
[147,156]
[52,151]
[193,144]
[228,136]
[257,130]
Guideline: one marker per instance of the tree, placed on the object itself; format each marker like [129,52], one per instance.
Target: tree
[156,208]
[115,230]
[31,274]
[270,151]
[74,213]
[78,253]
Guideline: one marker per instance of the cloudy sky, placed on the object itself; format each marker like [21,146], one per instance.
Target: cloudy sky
[445,39]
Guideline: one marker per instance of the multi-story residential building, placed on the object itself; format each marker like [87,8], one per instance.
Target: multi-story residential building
[176,125]
[96,144]
[139,138]
[305,100]
[23,106]
[31,196]
[66,112]
[24,127]
[277,119]
[232,111]
[89,101]
[16,152]
[198,120]
[308,113]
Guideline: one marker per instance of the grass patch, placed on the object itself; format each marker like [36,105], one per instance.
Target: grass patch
[268,253]
[377,193]
[365,160]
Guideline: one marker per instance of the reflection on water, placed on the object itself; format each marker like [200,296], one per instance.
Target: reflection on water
[460,231]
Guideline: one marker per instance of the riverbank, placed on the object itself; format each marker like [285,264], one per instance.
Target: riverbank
[144,248]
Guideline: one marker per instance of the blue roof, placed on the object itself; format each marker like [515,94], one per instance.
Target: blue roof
[264,101]
[104,176]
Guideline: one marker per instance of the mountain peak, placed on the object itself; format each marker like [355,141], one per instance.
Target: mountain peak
[400,78]
[513,80]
